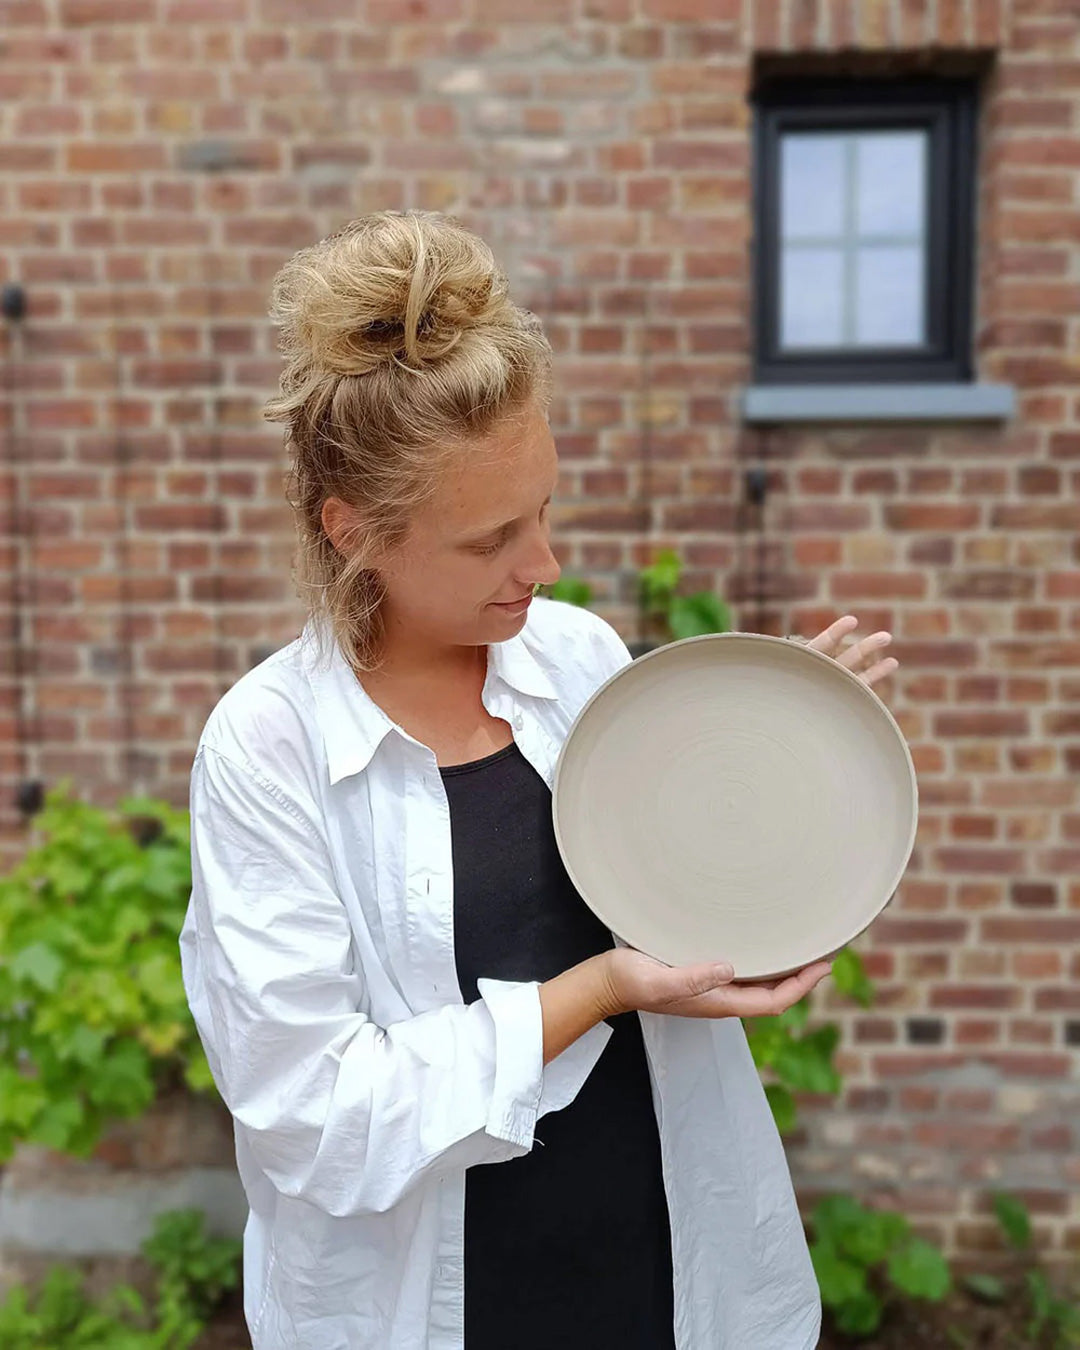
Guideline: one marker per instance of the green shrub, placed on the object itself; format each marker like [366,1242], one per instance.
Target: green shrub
[1054,1318]
[683,615]
[859,1252]
[93,1016]
[678,616]
[192,1272]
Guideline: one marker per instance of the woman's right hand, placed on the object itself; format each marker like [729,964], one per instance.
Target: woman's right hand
[636,982]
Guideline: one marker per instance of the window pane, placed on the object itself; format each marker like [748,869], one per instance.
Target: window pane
[890,178]
[812,178]
[889,297]
[811,297]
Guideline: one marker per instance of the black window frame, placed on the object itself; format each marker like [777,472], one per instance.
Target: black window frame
[947,109]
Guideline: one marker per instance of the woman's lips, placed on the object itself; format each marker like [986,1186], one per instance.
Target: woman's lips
[513,604]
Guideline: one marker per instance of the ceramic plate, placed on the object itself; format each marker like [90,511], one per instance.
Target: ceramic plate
[736,797]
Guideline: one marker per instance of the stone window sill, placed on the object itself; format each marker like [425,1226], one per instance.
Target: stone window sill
[927,402]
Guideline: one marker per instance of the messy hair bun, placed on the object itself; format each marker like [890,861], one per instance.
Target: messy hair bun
[402,346]
[392,287]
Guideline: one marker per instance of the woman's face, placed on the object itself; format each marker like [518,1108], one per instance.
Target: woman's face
[477,547]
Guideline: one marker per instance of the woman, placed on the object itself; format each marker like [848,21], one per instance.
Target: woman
[392,975]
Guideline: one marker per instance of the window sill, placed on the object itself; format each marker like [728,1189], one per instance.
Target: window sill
[927,402]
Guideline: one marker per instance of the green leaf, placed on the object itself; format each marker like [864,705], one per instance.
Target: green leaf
[840,1281]
[1013,1216]
[860,1316]
[795,1017]
[82,1044]
[160,979]
[920,1269]
[766,1037]
[572,590]
[21,1098]
[59,1123]
[696,615]
[123,1083]
[61,1302]
[863,1234]
[197,1073]
[38,964]
[805,1064]
[662,576]
[871,1238]
[850,978]
[987,1287]
[782,1104]
[1040,1293]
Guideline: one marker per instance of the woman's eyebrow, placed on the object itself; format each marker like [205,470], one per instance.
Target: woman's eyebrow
[503,525]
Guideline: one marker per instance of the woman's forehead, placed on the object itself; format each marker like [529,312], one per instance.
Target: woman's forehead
[499,483]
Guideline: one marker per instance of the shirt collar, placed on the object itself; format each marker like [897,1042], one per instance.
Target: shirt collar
[352,724]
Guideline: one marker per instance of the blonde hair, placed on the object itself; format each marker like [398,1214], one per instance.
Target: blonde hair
[402,349]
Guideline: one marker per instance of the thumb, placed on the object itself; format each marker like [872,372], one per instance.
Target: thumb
[700,979]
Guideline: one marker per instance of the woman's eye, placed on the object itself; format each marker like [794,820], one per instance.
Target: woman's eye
[491,548]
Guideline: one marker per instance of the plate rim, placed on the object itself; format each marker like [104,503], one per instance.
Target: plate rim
[756,638]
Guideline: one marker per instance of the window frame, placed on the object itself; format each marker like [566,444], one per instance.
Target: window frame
[946,109]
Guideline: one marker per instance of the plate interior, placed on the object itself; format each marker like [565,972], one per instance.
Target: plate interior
[736,797]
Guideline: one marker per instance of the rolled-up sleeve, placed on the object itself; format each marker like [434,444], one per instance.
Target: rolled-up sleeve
[338,1111]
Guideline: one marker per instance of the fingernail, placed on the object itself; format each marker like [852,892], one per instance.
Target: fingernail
[725,970]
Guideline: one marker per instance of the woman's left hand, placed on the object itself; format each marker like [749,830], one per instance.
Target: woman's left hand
[865,657]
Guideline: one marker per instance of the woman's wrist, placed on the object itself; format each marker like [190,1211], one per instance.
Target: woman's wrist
[575,1001]
[608,999]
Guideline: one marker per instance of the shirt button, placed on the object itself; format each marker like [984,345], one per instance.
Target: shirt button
[519,721]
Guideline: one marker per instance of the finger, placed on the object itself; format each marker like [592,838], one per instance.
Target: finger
[791,988]
[865,651]
[756,1000]
[688,982]
[829,640]
[880,671]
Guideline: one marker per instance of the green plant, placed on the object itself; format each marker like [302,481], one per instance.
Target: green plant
[679,616]
[572,590]
[799,1060]
[93,1017]
[858,1253]
[1052,1317]
[192,1272]
[683,615]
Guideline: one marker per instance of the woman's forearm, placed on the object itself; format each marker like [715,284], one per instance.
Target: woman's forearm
[573,1002]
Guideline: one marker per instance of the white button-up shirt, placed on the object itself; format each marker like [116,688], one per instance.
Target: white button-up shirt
[318,958]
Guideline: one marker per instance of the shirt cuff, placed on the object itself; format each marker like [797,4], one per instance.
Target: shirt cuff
[524,1088]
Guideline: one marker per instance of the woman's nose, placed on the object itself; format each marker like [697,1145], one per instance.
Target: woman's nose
[550,572]
[542,567]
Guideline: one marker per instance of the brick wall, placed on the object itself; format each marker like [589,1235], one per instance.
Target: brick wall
[161,158]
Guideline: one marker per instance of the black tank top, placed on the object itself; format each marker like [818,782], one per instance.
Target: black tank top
[569,1245]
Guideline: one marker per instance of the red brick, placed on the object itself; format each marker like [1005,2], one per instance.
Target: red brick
[981,724]
[122,159]
[1030,929]
[973,996]
[852,586]
[692,11]
[718,156]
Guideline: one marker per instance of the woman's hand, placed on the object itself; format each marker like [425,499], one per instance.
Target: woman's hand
[633,981]
[865,658]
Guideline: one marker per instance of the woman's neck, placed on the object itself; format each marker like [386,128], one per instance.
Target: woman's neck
[409,667]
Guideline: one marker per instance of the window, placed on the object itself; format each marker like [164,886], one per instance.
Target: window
[864,231]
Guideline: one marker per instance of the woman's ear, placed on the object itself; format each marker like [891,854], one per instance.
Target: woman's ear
[342,524]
